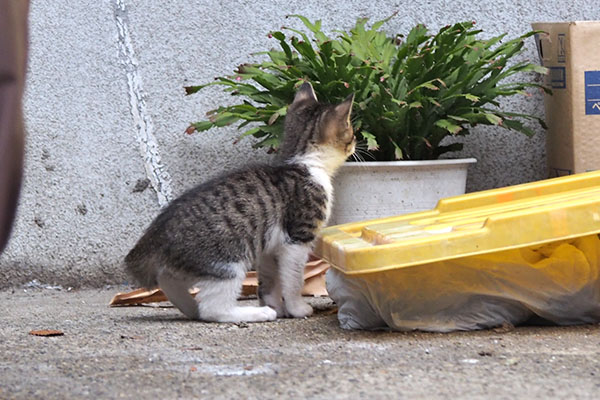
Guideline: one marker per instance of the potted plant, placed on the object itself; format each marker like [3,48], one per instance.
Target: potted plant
[411,93]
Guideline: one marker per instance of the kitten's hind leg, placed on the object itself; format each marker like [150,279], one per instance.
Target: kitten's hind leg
[218,300]
[269,285]
[177,291]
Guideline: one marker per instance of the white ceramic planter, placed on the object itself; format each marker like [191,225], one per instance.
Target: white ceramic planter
[370,190]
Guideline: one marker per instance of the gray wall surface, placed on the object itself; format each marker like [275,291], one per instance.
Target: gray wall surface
[106,112]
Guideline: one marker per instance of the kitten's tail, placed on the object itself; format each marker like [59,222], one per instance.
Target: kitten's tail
[143,265]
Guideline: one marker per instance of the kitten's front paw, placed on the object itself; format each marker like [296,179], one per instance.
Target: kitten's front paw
[276,303]
[299,309]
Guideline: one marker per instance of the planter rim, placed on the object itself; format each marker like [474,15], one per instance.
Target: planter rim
[411,163]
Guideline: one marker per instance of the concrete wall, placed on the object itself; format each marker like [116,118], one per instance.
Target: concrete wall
[106,112]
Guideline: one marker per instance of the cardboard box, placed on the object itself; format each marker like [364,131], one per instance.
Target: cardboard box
[571,50]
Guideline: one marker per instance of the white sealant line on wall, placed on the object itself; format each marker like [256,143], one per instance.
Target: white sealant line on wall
[155,169]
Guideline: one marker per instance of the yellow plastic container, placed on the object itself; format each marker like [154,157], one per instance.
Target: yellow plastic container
[475,261]
[477,223]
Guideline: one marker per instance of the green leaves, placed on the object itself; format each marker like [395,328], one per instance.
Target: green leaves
[398,154]
[449,126]
[202,125]
[371,140]
[410,92]
[493,118]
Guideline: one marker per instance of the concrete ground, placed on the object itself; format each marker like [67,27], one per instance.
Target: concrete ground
[148,352]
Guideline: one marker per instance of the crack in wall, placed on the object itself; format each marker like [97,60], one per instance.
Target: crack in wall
[157,173]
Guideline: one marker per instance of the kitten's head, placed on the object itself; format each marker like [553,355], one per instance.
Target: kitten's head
[316,129]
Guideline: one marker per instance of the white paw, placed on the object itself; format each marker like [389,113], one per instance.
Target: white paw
[242,314]
[256,314]
[266,314]
[299,309]
[279,310]
[274,303]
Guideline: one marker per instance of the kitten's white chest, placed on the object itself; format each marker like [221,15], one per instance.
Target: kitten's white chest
[322,178]
[321,166]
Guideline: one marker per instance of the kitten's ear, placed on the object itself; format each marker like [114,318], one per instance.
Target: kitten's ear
[306,93]
[344,109]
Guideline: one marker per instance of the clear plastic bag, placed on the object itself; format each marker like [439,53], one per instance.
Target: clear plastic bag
[559,282]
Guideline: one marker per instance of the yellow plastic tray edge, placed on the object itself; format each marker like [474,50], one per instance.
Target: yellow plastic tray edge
[520,191]
[445,258]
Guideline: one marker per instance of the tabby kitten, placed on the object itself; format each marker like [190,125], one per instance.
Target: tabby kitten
[264,216]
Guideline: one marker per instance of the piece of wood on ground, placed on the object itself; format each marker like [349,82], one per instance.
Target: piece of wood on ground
[314,285]
[46,332]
